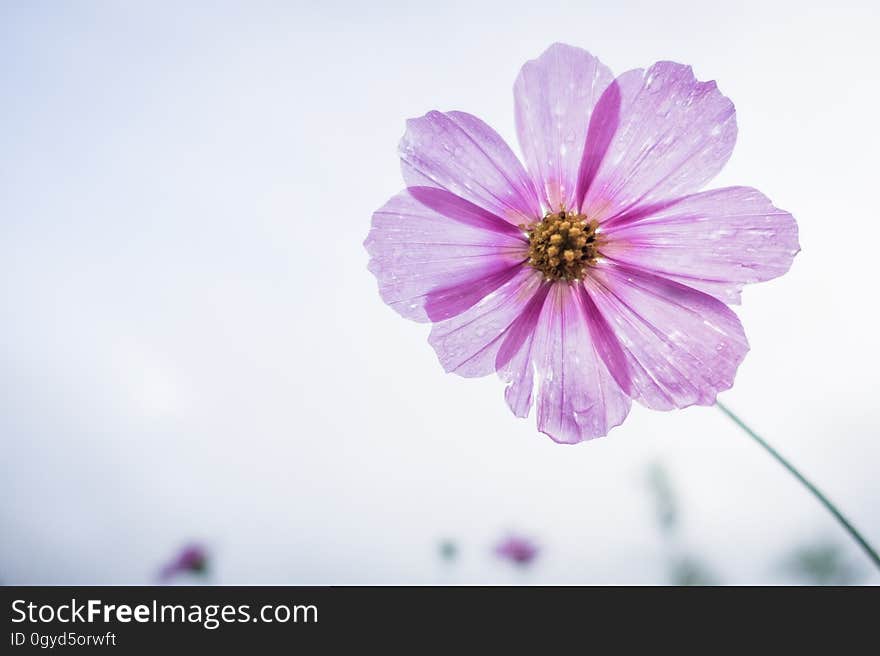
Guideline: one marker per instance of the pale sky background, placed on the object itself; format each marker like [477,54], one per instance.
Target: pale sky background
[191,346]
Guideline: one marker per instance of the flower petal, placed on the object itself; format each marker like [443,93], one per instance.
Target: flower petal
[682,346]
[514,359]
[554,97]
[436,255]
[458,152]
[577,397]
[654,135]
[715,241]
[468,343]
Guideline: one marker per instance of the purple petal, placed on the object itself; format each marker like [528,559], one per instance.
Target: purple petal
[682,346]
[554,97]
[715,241]
[458,152]
[606,342]
[577,398]
[514,359]
[468,344]
[450,301]
[655,135]
[435,255]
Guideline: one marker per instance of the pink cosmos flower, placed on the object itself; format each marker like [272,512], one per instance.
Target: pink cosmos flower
[598,273]
[517,549]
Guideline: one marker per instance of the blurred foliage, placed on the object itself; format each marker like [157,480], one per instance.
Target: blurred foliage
[448,550]
[822,563]
[688,570]
[684,568]
[665,501]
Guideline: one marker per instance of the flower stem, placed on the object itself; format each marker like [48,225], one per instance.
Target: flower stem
[868,549]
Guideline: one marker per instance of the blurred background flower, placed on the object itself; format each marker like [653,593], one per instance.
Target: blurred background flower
[517,549]
[191,559]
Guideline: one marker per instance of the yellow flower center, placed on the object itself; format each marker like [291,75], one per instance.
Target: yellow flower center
[562,245]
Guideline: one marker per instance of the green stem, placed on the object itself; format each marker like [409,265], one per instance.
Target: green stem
[863,543]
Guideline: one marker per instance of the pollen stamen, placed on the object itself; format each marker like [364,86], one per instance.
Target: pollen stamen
[563,245]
